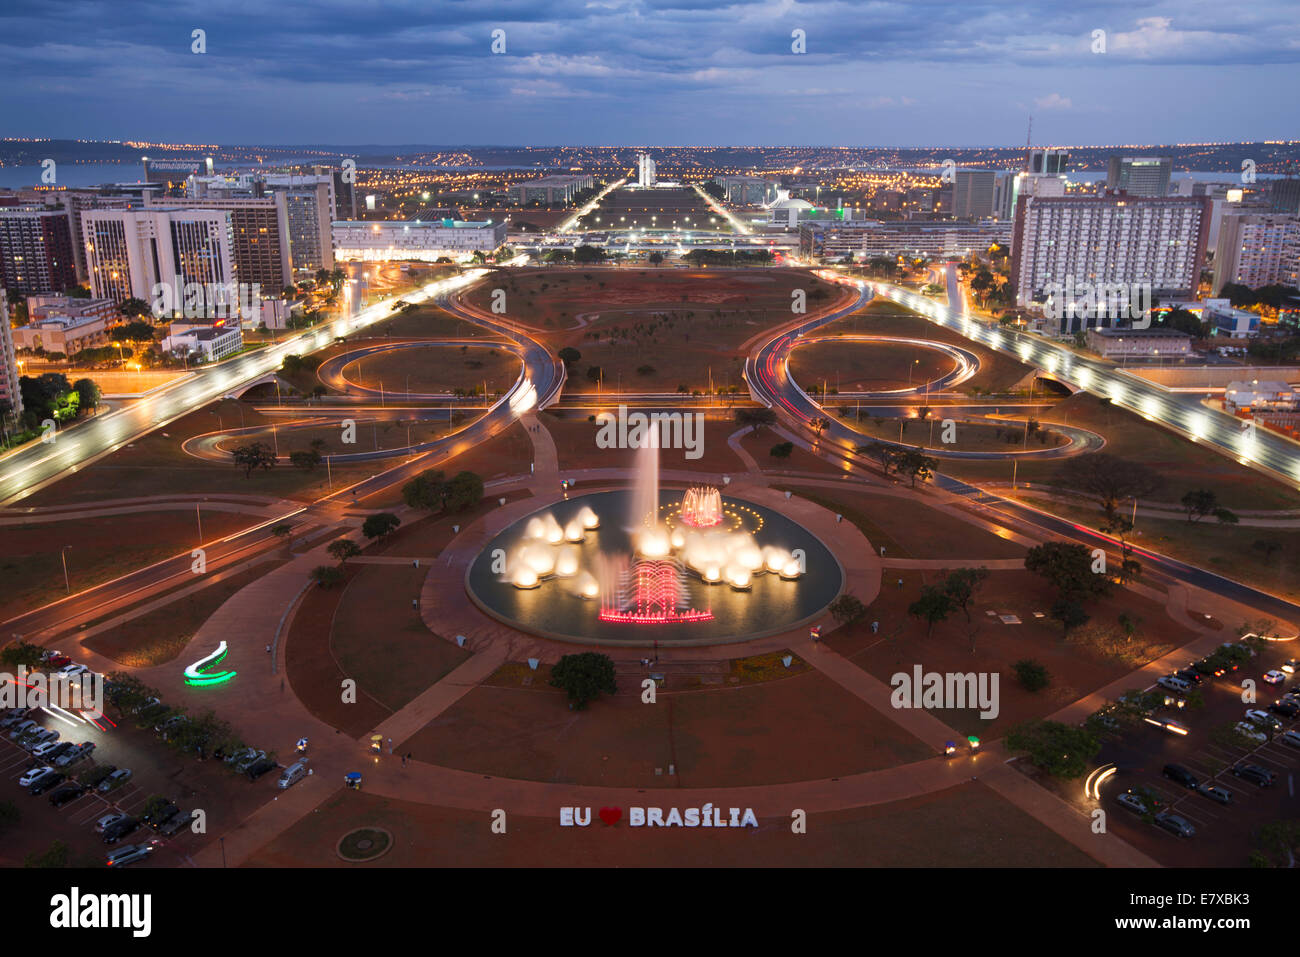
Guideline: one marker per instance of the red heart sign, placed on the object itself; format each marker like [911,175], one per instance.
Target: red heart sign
[611,815]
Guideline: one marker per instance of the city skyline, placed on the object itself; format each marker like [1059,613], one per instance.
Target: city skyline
[634,73]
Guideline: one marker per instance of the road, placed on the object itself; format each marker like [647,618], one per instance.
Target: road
[38,463]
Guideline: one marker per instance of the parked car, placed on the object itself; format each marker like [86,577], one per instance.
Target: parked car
[73,670]
[1290,737]
[175,721]
[1260,777]
[95,776]
[243,760]
[51,750]
[1180,775]
[1291,665]
[55,659]
[112,817]
[160,816]
[1190,675]
[1215,793]
[1274,677]
[114,780]
[47,782]
[15,718]
[292,775]
[1287,708]
[21,728]
[130,854]
[120,829]
[1174,683]
[77,753]
[1174,824]
[260,768]
[1263,719]
[31,775]
[64,793]
[1131,802]
[34,739]
[176,823]
[144,706]
[1248,730]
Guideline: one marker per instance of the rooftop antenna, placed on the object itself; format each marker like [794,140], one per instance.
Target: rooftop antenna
[1029,134]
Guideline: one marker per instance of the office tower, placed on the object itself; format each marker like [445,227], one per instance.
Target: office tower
[36,253]
[1139,175]
[10,392]
[645,171]
[259,234]
[74,204]
[1259,249]
[974,192]
[1047,162]
[130,252]
[1284,195]
[1111,239]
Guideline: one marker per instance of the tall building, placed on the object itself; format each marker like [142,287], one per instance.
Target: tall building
[645,171]
[36,251]
[1284,195]
[1046,162]
[746,190]
[9,389]
[1256,250]
[550,190]
[1139,175]
[975,192]
[864,239]
[129,252]
[1067,242]
[74,203]
[259,235]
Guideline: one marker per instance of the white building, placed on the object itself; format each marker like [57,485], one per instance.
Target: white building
[130,251]
[9,389]
[1257,250]
[1067,242]
[1114,343]
[384,240]
[864,239]
[1261,396]
[645,171]
[209,342]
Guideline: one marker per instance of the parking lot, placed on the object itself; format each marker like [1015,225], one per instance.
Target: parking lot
[1225,833]
[226,797]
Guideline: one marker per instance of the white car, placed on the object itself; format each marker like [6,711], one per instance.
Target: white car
[1263,719]
[37,738]
[41,750]
[108,820]
[1248,730]
[1274,677]
[27,779]
[73,670]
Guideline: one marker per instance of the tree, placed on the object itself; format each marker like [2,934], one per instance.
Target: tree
[21,652]
[326,576]
[1130,625]
[1068,566]
[916,464]
[1059,749]
[305,459]
[755,419]
[594,373]
[1031,675]
[885,454]
[253,456]
[847,609]
[569,355]
[87,394]
[465,490]
[655,258]
[425,491]
[1069,613]
[133,308]
[282,531]
[584,677]
[1225,517]
[933,606]
[1199,502]
[962,585]
[1109,478]
[782,450]
[55,856]
[135,331]
[380,525]
[341,549]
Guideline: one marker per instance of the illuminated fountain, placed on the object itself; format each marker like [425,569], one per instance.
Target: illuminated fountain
[702,507]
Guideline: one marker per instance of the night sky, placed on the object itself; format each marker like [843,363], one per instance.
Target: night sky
[629,72]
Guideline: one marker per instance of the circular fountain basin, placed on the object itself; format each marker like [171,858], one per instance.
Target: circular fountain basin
[770,604]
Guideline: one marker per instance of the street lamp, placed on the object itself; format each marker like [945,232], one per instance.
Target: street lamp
[63,554]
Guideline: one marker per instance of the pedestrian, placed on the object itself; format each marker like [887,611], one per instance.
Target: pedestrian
[900,583]
[409,756]
[875,627]
[403,760]
[268,649]
[390,745]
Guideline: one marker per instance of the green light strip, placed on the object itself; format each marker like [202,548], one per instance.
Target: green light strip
[194,674]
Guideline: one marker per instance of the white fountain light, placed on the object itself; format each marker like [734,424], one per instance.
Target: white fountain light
[566,563]
[588,517]
[554,533]
[573,531]
[652,542]
[535,528]
[738,576]
[540,558]
[525,577]
[587,585]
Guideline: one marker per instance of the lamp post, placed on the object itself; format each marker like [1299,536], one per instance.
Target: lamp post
[63,554]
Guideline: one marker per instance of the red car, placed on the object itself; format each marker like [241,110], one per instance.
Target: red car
[58,660]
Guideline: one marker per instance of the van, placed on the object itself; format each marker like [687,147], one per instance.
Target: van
[292,775]
[1174,683]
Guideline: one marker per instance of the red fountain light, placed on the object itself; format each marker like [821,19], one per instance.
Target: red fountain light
[655,598]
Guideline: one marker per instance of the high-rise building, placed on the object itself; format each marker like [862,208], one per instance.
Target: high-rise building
[1284,195]
[1260,249]
[36,251]
[75,202]
[1139,175]
[975,191]
[385,240]
[1113,239]
[10,393]
[645,167]
[1047,162]
[130,252]
[259,233]
[747,190]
